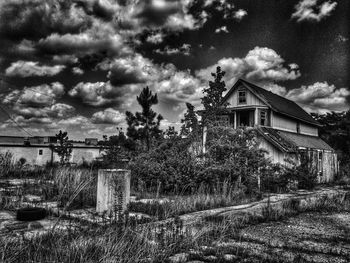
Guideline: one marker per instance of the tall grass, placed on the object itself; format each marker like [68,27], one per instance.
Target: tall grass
[76,187]
[224,195]
[10,168]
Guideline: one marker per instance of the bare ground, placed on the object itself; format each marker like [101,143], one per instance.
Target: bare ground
[308,237]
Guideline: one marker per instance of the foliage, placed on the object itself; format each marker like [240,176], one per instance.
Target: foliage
[190,126]
[144,126]
[170,133]
[212,100]
[335,130]
[64,147]
[117,150]
[233,156]
[169,165]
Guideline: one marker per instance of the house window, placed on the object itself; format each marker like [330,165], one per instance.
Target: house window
[320,163]
[263,118]
[40,152]
[298,127]
[242,97]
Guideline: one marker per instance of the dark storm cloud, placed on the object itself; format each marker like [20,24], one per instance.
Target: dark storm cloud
[36,19]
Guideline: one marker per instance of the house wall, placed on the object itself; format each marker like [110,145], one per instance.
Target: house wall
[329,164]
[308,129]
[284,123]
[31,154]
[251,99]
[274,154]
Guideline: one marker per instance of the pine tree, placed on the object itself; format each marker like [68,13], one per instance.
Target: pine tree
[190,126]
[64,148]
[212,101]
[144,126]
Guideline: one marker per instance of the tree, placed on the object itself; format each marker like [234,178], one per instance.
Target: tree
[64,148]
[212,100]
[335,130]
[170,133]
[190,126]
[117,149]
[144,126]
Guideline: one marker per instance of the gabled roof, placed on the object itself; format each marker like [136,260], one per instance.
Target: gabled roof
[277,103]
[290,142]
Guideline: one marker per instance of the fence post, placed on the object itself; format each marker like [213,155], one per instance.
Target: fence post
[113,192]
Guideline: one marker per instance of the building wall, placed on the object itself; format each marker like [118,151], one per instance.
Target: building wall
[274,154]
[31,154]
[284,123]
[329,164]
[308,129]
[251,99]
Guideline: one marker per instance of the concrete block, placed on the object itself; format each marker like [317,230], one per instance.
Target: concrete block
[113,191]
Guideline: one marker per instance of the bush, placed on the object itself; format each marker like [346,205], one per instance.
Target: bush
[233,156]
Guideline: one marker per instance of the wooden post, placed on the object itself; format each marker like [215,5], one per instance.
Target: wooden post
[113,191]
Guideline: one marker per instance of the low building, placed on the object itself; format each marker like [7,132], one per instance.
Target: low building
[39,150]
[285,130]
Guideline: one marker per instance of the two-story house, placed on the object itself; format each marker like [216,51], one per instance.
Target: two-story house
[285,130]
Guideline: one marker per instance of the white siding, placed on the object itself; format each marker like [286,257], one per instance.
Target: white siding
[251,99]
[284,123]
[308,129]
[274,154]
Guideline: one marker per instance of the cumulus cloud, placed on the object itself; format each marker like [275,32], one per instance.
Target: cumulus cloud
[312,10]
[185,50]
[155,38]
[128,70]
[221,29]
[30,68]
[260,65]
[100,94]
[227,8]
[320,96]
[35,19]
[108,116]
[77,71]
[239,14]
[42,95]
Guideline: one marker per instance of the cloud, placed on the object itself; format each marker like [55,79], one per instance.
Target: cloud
[179,87]
[260,65]
[155,38]
[226,8]
[310,10]
[128,70]
[35,19]
[185,50]
[77,71]
[100,94]
[108,116]
[221,29]
[42,95]
[239,14]
[29,68]
[321,96]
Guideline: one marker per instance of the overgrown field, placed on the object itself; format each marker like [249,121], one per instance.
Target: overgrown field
[252,239]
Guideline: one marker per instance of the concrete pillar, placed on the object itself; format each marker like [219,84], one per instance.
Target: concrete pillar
[113,191]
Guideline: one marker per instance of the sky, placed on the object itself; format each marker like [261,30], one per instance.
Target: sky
[78,65]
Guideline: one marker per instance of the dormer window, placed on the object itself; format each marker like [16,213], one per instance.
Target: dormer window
[242,97]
